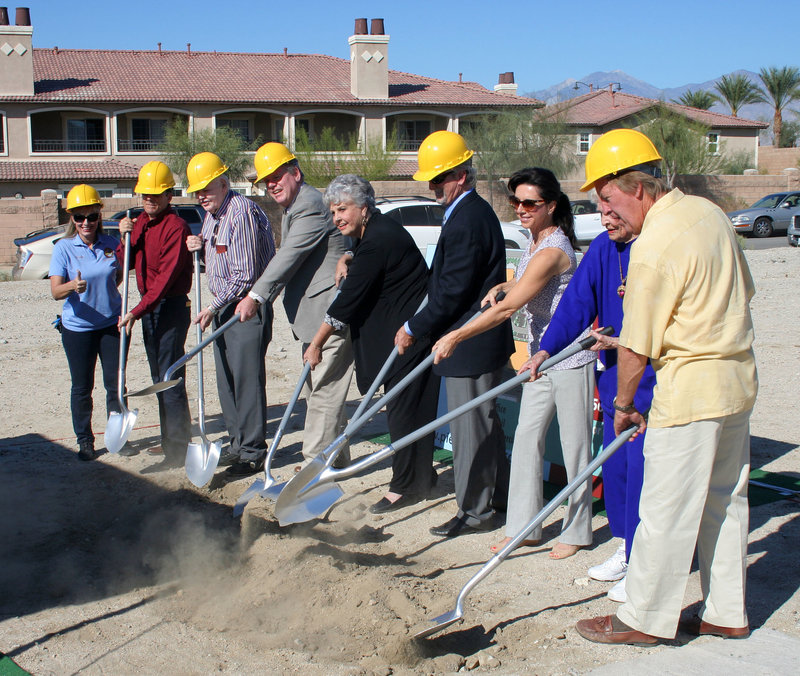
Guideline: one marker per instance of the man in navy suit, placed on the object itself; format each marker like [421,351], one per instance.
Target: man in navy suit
[470,259]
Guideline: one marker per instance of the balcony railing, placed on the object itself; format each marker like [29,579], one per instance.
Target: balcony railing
[65,146]
[139,145]
[409,143]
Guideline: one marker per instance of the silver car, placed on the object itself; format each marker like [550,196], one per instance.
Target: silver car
[793,233]
[769,214]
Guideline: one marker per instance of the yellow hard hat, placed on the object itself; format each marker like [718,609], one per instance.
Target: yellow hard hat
[615,151]
[82,196]
[154,178]
[202,169]
[439,152]
[269,158]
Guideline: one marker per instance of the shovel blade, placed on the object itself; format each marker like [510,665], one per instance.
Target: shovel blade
[255,489]
[307,495]
[439,623]
[201,461]
[118,429]
[155,388]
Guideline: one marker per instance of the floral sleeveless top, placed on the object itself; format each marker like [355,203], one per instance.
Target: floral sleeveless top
[539,310]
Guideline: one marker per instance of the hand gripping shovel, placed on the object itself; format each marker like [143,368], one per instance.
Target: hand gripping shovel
[453,616]
[201,459]
[119,425]
[267,487]
[310,492]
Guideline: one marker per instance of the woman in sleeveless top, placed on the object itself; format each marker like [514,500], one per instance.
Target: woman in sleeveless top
[566,390]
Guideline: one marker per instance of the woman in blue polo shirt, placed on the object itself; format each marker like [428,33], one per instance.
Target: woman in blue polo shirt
[85,273]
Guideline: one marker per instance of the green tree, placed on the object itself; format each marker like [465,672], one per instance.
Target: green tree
[682,143]
[180,146]
[701,99]
[738,91]
[329,155]
[507,141]
[782,86]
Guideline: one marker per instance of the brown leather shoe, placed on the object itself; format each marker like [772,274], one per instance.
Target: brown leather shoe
[697,627]
[608,629]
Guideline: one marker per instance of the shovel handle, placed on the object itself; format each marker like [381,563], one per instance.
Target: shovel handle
[384,370]
[203,343]
[123,334]
[548,509]
[432,426]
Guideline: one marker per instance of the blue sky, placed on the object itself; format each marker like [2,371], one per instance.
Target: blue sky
[664,43]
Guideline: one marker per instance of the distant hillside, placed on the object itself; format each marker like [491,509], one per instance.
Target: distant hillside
[630,85]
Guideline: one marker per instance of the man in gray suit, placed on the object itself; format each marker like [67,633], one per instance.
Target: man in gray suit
[304,267]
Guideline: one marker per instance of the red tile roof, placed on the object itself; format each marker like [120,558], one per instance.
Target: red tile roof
[601,108]
[75,75]
[44,170]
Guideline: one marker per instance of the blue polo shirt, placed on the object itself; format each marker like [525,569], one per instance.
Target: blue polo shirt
[100,305]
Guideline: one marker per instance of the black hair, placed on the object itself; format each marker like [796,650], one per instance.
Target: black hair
[550,190]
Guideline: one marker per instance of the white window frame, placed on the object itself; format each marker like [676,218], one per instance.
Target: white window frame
[580,141]
[4,132]
[715,145]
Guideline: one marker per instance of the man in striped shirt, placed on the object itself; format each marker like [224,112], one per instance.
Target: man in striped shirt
[238,244]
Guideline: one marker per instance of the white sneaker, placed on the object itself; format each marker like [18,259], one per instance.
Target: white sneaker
[612,569]
[617,592]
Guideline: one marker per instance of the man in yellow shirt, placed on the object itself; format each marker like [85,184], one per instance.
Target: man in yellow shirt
[687,309]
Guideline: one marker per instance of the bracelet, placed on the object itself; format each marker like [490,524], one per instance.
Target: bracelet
[624,409]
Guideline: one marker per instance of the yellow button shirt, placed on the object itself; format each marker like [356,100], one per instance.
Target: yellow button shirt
[687,308]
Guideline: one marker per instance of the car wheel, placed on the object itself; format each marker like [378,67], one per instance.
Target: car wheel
[762,227]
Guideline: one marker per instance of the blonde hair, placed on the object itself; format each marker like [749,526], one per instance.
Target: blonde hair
[630,180]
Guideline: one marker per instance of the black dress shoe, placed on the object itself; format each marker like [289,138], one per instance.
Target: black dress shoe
[87,451]
[383,505]
[128,451]
[228,457]
[458,526]
[245,467]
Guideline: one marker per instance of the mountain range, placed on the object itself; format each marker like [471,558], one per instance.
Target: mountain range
[631,85]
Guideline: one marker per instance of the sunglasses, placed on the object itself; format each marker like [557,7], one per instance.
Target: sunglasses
[528,205]
[92,218]
[441,178]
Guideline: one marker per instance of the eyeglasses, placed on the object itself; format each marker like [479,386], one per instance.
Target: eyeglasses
[92,218]
[528,205]
[441,178]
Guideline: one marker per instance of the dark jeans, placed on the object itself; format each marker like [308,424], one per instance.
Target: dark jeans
[82,349]
[164,332]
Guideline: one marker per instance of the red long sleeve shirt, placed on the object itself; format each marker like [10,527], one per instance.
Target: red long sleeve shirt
[163,263]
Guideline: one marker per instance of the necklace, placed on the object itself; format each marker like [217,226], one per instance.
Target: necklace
[622,279]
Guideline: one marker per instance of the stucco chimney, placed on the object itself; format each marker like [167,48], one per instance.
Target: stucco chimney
[369,61]
[505,83]
[16,55]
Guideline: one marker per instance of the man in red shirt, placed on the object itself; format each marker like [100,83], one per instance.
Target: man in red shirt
[164,276]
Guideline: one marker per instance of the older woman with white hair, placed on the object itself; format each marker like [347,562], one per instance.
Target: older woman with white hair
[385,284]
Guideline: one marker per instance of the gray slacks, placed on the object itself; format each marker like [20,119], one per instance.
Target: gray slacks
[480,463]
[569,394]
[239,355]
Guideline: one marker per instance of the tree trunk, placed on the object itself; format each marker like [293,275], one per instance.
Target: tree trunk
[777,128]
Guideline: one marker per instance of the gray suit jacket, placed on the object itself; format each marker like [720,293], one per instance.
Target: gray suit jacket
[305,263]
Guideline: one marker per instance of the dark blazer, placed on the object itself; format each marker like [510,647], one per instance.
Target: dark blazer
[385,285]
[470,259]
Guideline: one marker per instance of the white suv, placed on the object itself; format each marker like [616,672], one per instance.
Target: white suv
[422,217]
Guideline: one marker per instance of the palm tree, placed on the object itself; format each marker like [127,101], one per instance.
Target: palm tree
[738,91]
[782,85]
[701,99]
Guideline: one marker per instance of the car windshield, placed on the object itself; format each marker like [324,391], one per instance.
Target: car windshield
[769,201]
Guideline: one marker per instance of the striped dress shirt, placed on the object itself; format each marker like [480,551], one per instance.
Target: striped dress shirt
[238,246]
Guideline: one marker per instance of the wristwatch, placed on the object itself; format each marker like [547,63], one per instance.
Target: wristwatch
[624,409]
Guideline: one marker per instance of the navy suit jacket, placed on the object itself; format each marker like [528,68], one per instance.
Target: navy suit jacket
[470,259]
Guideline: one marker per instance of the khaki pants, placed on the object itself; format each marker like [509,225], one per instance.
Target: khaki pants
[694,493]
[326,396]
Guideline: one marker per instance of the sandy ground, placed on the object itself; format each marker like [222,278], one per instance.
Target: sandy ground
[105,570]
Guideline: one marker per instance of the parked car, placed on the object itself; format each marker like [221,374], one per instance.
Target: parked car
[422,217]
[793,233]
[587,227]
[36,248]
[769,214]
[583,207]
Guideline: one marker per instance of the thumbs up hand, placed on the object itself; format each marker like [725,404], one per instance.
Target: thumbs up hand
[80,284]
